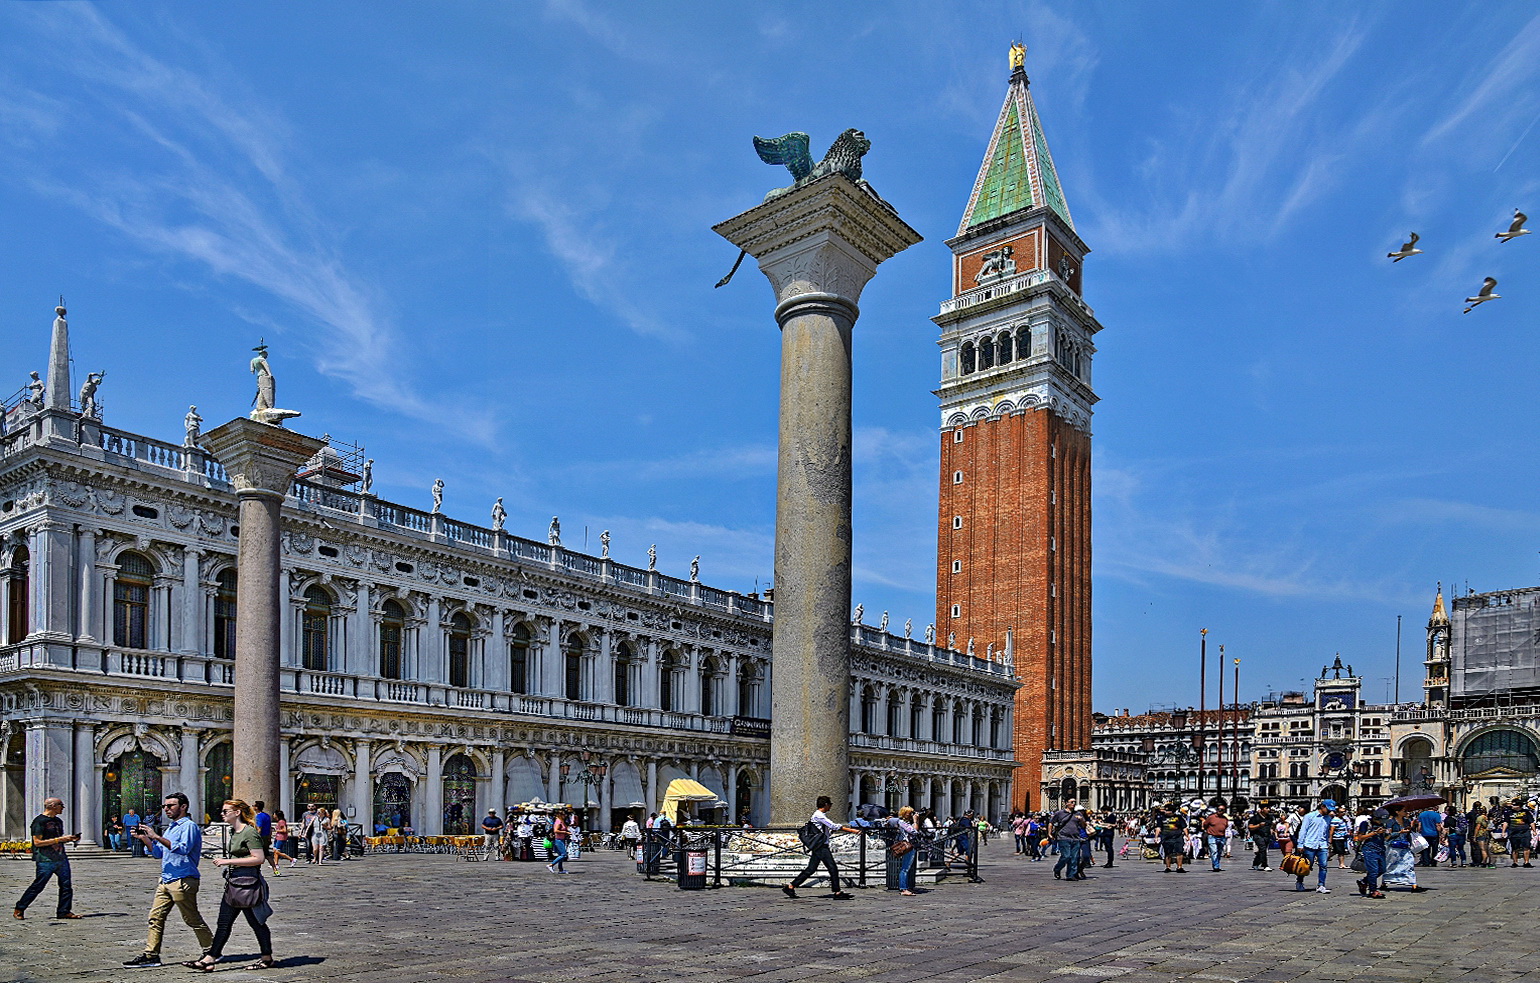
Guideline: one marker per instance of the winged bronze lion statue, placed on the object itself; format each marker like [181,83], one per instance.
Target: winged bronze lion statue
[844,157]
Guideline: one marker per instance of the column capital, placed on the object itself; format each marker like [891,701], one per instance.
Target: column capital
[261,458]
[820,243]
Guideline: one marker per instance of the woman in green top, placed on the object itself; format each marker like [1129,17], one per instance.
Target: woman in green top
[245,851]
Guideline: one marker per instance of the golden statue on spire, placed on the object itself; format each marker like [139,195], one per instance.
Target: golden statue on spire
[1018,55]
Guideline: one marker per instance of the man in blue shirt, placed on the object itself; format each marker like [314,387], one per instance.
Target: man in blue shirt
[178,852]
[1312,841]
[264,824]
[1429,820]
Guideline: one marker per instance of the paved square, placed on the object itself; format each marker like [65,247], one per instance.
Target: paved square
[415,919]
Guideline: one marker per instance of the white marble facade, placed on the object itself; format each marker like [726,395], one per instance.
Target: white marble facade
[426,662]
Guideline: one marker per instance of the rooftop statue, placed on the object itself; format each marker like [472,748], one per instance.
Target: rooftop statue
[89,407]
[1018,55]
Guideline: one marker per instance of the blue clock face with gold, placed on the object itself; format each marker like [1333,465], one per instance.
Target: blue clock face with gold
[1336,759]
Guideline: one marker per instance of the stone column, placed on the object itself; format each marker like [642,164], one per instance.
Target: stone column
[363,785]
[261,460]
[88,815]
[497,790]
[285,780]
[188,774]
[193,636]
[818,244]
[86,630]
[433,797]
[652,785]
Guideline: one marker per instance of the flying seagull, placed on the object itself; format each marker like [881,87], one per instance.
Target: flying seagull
[1516,229]
[1408,248]
[1485,294]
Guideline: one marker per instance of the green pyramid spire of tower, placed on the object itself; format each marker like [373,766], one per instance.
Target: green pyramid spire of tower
[1018,172]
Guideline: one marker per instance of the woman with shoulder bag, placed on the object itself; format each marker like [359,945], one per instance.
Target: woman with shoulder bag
[905,832]
[245,890]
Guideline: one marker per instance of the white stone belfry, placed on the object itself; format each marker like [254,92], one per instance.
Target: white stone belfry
[819,245]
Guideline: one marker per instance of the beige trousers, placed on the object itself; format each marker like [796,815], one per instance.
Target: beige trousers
[183,896]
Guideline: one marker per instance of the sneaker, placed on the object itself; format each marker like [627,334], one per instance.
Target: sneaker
[1300,886]
[1267,868]
[788,890]
[551,868]
[1217,869]
[1323,890]
[842,896]
[1363,887]
[144,960]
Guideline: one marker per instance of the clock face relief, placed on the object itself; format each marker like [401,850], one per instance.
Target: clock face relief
[1335,760]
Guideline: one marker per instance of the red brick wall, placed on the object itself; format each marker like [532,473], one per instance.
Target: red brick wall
[1024,252]
[1025,550]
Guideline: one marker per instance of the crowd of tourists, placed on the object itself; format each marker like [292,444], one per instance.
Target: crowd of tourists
[1386,846]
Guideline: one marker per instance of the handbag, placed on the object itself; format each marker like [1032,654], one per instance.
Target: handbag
[900,848]
[1418,842]
[1296,864]
[1358,863]
[244,887]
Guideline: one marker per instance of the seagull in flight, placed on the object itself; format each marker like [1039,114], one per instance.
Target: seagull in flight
[1516,229]
[1484,295]
[1408,248]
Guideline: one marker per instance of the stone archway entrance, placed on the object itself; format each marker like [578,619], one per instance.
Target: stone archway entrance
[133,782]
[459,795]
[392,801]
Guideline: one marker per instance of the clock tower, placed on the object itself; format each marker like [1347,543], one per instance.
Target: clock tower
[1014,551]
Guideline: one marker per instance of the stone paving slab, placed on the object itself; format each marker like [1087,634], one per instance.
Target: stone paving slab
[437,919]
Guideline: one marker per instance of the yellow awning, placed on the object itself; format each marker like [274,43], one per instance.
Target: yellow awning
[684,790]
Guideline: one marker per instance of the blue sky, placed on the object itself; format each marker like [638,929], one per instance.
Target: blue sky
[478,240]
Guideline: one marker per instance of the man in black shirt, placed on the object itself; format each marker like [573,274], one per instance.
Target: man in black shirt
[1172,826]
[1259,826]
[48,841]
[1068,827]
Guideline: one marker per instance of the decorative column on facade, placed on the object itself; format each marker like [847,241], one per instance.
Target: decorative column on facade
[553,789]
[730,792]
[652,785]
[50,753]
[819,243]
[88,817]
[363,784]
[497,791]
[50,546]
[285,780]
[187,778]
[193,635]
[261,460]
[431,669]
[89,604]
[433,797]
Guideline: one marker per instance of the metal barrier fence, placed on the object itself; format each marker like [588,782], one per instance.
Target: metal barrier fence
[741,853]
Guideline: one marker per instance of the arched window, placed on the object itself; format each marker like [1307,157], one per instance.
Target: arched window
[459,789]
[978,726]
[131,602]
[916,712]
[959,722]
[1004,347]
[710,671]
[315,625]
[938,720]
[967,357]
[1499,749]
[994,728]
[459,650]
[868,710]
[668,666]
[749,681]
[623,661]
[986,353]
[574,668]
[392,628]
[17,617]
[518,660]
[895,715]
[1023,343]
[224,614]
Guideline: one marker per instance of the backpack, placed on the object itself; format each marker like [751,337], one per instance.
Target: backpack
[812,835]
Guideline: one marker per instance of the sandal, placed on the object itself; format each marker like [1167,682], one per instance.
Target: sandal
[199,964]
[266,962]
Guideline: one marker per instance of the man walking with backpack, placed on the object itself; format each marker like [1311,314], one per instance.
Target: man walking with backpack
[815,837]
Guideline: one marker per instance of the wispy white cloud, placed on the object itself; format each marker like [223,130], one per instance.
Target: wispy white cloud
[209,183]
[1497,98]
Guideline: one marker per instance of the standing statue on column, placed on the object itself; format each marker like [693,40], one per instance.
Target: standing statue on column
[194,424]
[860,613]
[970,644]
[37,387]
[695,570]
[930,634]
[951,641]
[438,495]
[652,557]
[883,624]
[89,408]
[908,627]
[499,515]
[604,545]
[367,488]
[263,408]
[553,535]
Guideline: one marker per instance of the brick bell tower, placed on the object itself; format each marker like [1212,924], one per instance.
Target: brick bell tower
[1014,547]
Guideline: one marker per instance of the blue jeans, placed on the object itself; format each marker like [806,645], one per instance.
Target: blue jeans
[1374,869]
[559,859]
[45,870]
[906,871]
[1317,856]
[1457,848]
[1216,849]
[1069,857]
